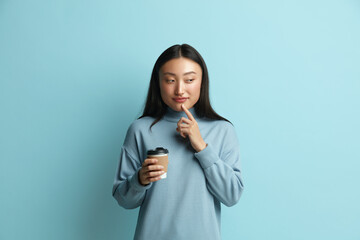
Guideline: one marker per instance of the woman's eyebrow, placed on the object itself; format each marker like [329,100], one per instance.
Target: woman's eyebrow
[173,74]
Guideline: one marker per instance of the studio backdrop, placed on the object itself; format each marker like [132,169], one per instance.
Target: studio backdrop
[74,75]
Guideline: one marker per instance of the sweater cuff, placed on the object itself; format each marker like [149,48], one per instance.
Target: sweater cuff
[206,157]
[134,182]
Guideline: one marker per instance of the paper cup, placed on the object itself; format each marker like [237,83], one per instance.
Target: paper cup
[161,154]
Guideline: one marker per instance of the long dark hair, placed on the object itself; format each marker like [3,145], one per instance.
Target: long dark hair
[155,106]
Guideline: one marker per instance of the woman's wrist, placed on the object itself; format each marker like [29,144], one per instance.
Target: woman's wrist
[201,148]
[139,178]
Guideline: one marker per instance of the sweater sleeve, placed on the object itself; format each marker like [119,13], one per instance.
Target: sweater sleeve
[127,189]
[222,171]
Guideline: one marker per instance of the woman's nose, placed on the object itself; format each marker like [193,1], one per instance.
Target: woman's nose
[179,90]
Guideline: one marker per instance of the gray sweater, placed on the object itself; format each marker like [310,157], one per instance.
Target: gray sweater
[186,204]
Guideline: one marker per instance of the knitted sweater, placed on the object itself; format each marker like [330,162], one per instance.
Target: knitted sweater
[186,204]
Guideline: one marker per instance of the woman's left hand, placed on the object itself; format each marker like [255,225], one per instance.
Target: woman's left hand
[189,127]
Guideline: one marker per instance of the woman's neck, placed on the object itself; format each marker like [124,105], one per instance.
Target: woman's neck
[174,116]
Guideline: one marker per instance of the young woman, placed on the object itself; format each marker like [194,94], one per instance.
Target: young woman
[204,160]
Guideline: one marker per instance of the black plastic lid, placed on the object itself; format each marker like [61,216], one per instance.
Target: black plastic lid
[158,150]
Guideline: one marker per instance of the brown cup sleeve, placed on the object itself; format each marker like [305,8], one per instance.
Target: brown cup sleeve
[162,160]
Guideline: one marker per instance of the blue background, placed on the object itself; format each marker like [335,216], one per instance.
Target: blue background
[74,74]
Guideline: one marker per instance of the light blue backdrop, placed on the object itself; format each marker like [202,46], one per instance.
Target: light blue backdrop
[74,75]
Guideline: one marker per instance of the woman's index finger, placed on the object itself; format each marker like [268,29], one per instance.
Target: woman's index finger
[188,113]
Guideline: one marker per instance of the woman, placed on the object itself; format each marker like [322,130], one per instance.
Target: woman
[204,161]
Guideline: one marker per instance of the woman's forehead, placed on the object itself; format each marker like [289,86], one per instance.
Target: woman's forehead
[180,67]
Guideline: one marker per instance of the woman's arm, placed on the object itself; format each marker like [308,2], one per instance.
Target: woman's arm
[127,189]
[223,172]
[134,176]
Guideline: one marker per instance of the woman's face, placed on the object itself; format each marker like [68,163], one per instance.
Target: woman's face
[180,83]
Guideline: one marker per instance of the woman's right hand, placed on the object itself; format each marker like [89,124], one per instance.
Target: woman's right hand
[150,172]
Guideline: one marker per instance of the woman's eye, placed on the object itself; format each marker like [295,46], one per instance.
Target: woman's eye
[190,80]
[170,81]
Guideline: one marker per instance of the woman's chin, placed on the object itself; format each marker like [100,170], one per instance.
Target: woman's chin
[176,107]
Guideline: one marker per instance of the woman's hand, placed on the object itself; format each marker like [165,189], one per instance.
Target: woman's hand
[150,172]
[189,127]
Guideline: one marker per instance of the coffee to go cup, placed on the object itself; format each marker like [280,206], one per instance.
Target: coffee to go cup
[161,154]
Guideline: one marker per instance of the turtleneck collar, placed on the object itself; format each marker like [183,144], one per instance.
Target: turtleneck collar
[174,116]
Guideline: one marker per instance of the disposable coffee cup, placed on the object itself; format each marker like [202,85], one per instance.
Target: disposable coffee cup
[161,154]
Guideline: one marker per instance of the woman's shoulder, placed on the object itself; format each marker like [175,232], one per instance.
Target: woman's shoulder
[222,127]
[137,128]
[217,122]
[140,124]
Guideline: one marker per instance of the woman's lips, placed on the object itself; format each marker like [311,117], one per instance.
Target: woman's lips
[180,100]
